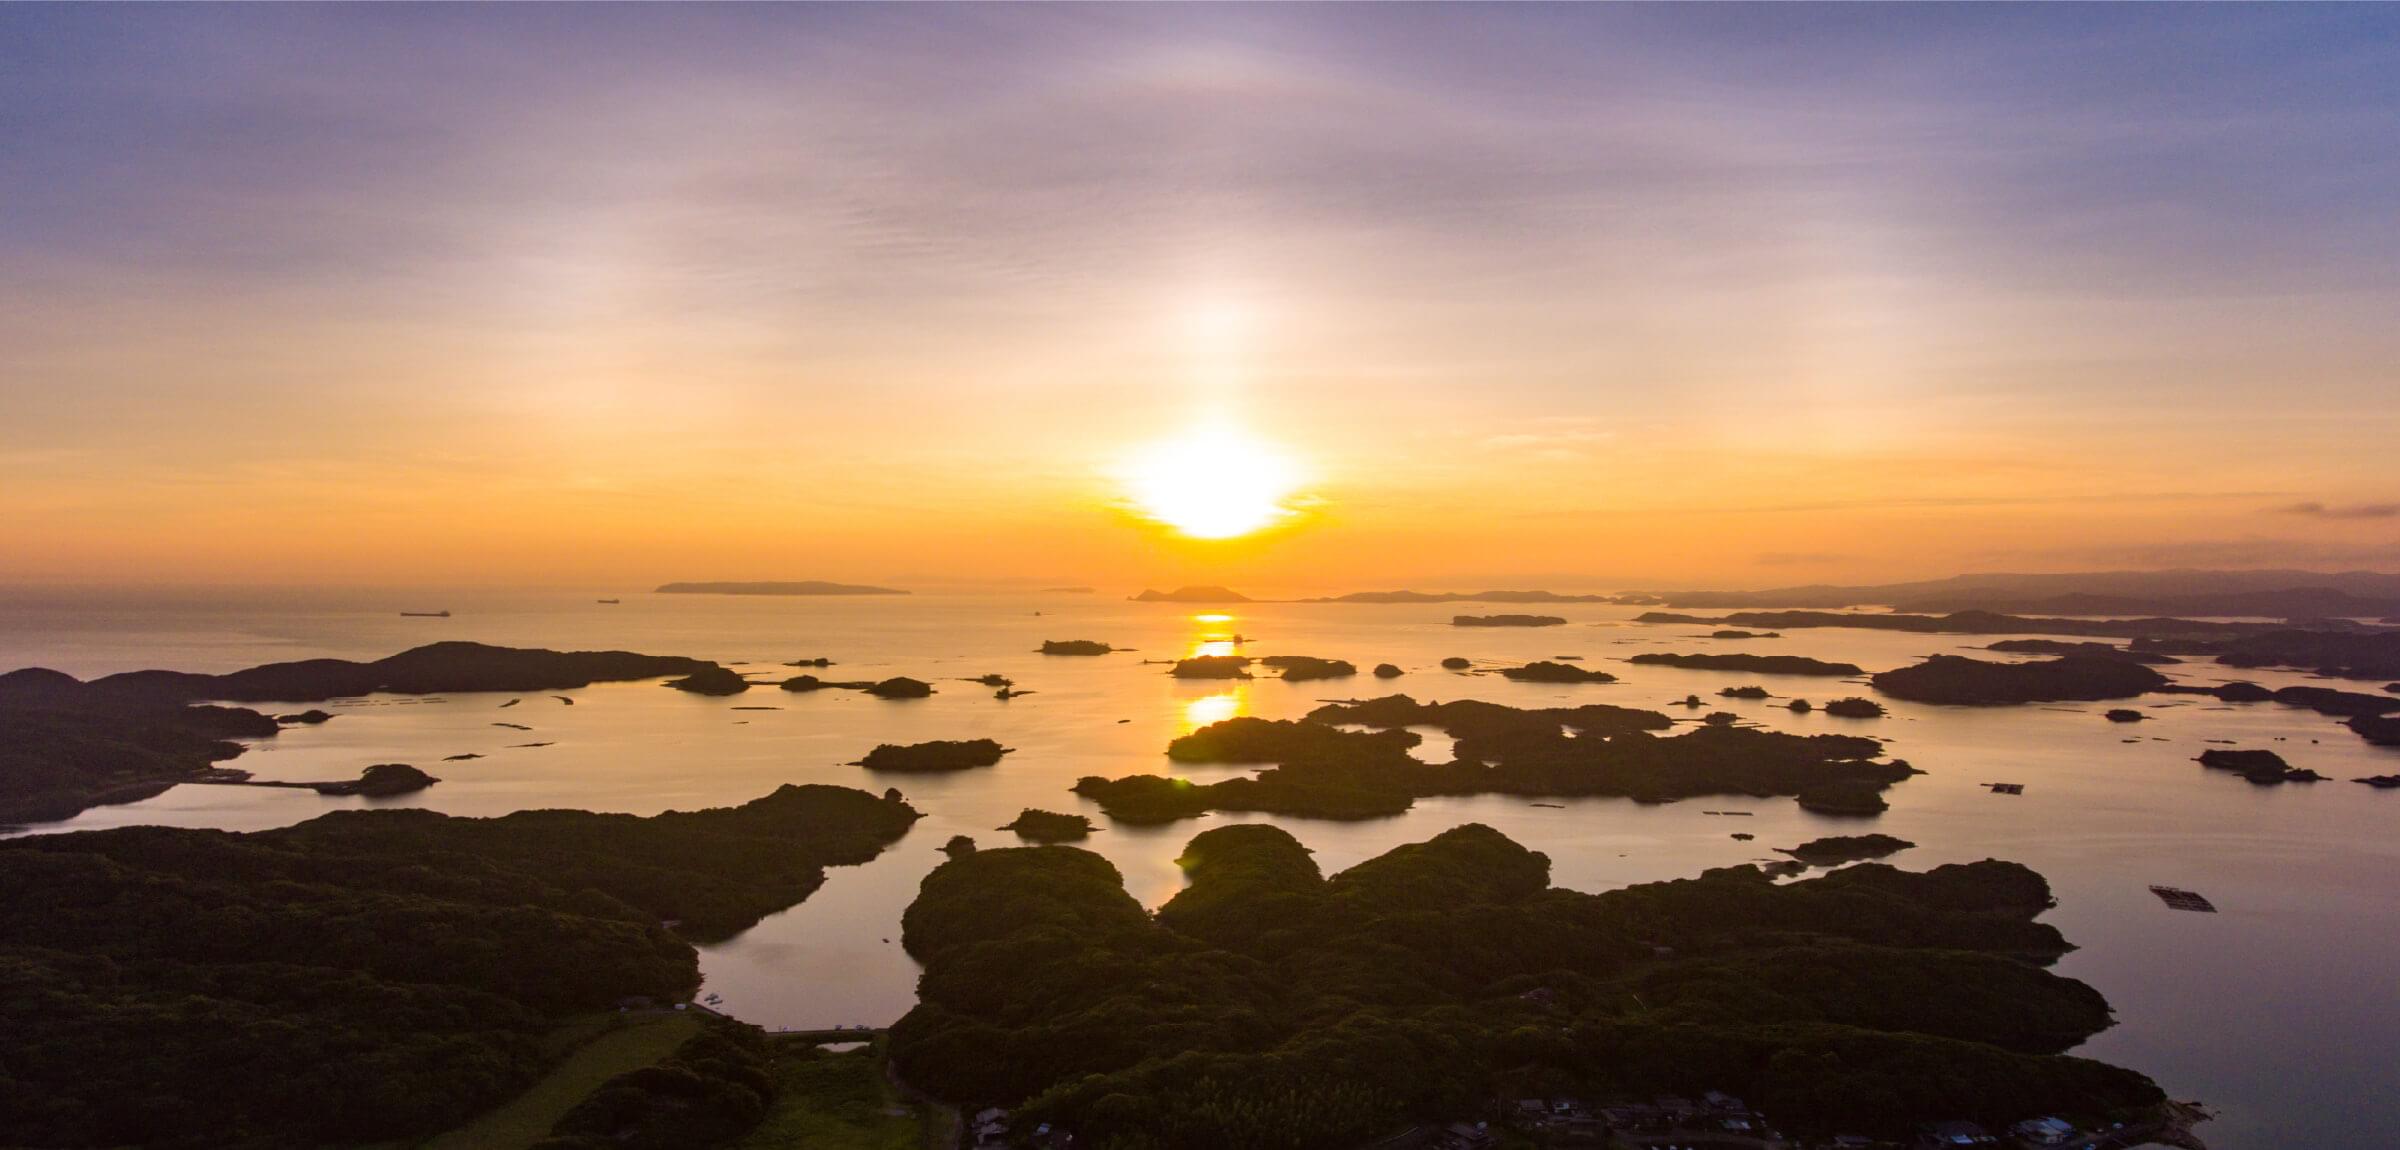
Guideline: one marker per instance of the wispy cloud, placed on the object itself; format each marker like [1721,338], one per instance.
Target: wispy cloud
[2316,510]
[1561,440]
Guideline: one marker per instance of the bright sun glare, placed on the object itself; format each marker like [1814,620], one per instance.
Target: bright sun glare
[1213,482]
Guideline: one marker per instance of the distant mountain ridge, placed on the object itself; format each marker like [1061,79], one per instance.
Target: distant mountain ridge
[1464,597]
[802,587]
[2270,593]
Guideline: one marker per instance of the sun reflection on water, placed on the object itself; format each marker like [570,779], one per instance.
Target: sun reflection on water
[1212,637]
[1217,708]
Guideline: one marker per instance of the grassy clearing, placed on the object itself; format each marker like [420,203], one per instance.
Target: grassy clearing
[831,1101]
[603,1047]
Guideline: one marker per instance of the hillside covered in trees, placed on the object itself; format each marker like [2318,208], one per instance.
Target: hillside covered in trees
[370,974]
[67,744]
[1267,1005]
[1323,770]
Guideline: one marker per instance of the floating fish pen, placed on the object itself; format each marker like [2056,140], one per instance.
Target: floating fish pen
[2181,899]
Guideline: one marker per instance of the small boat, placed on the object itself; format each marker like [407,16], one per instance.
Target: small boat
[424,614]
[609,601]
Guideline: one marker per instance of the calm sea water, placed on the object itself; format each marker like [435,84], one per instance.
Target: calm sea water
[2282,1012]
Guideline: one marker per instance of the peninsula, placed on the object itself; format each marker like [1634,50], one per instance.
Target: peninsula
[67,745]
[396,968]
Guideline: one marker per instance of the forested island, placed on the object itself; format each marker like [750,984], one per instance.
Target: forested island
[1301,668]
[938,755]
[1321,770]
[67,745]
[2338,654]
[1835,850]
[368,975]
[1049,826]
[2069,647]
[1760,664]
[1075,647]
[1551,671]
[2073,678]
[1267,1005]
[1507,621]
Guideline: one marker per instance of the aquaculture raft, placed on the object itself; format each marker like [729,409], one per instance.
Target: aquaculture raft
[2181,899]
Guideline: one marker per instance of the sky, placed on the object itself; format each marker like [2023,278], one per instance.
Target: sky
[1575,296]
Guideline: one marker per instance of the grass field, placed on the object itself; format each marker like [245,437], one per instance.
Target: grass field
[837,1102]
[601,1051]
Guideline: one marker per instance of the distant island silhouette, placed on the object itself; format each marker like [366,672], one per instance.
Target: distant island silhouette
[1192,595]
[802,587]
[1507,621]
[1474,597]
[2276,593]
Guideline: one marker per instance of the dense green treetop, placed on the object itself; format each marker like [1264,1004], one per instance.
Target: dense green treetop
[1270,1005]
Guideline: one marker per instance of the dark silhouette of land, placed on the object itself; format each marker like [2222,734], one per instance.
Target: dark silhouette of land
[1300,668]
[1465,597]
[712,680]
[1507,621]
[938,755]
[2093,650]
[1970,623]
[1050,827]
[67,745]
[2075,678]
[383,780]
[1323,771]
[1743,661]
[1192,595]
[802,587]
[2273,594]
[1835,850]
[897,687]
[1547,671]
[397,969]
[1075,647]
[2264,768]
[1266,1004]
[1212,667]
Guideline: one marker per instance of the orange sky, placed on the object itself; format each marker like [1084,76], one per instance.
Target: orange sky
[1575,299]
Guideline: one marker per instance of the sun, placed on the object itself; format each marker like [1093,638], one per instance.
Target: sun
[1212,482]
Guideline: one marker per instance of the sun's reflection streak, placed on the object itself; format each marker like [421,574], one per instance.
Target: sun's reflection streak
[1215,708]
[1212,636]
